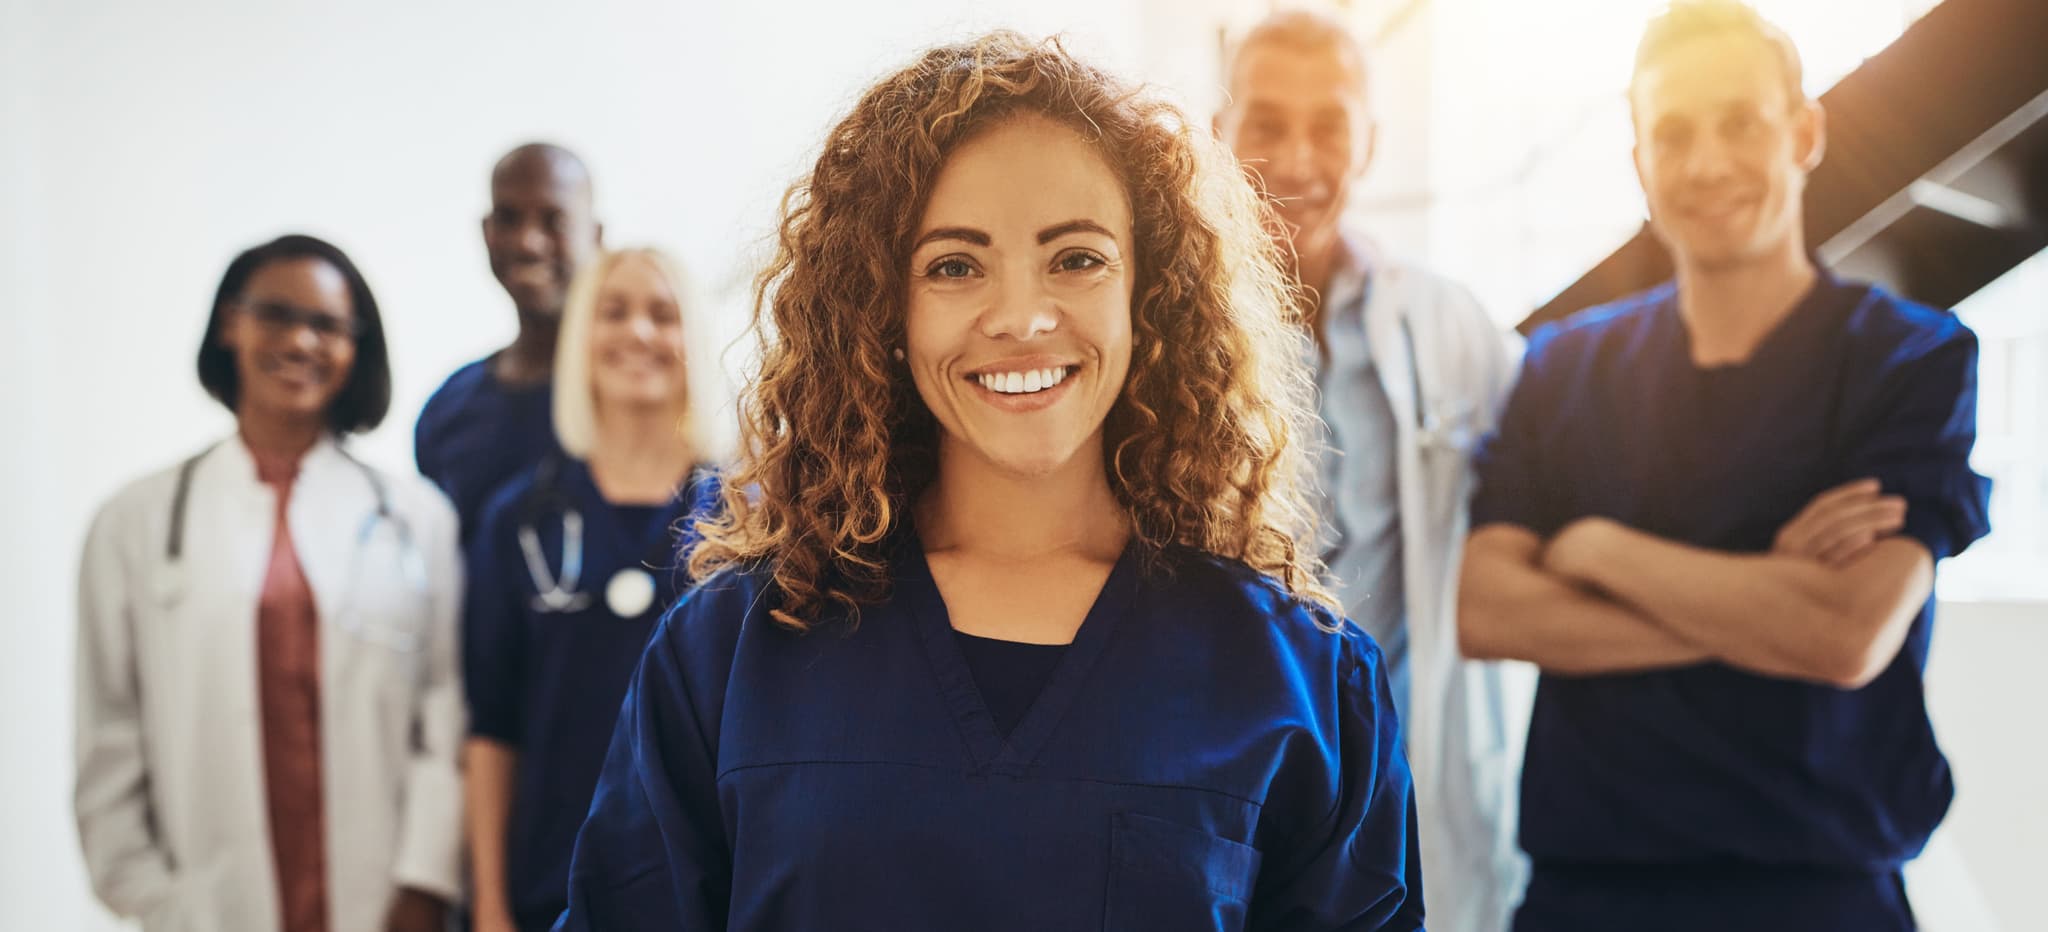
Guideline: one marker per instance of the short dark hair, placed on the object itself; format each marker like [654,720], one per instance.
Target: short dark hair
[1686,20]
[366,396]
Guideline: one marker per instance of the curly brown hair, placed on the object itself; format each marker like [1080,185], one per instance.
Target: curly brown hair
[1206,446]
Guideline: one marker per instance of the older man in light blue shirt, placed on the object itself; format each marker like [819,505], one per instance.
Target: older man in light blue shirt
[1361,498]
[1411,373]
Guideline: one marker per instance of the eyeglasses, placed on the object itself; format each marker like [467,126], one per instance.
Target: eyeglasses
[280,318]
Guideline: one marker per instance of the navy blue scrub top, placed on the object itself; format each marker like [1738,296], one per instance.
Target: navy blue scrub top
[476,433]
[1204,756]
[1709,763]
[548,685]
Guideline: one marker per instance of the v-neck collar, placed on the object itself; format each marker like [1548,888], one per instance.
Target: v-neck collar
[988,751]
[640,546]
[1818,309]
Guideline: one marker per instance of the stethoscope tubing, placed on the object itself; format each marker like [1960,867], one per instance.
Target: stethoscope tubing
[412,565]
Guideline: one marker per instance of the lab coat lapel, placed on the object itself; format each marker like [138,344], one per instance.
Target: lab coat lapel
[326,512]
[225,538]
[1434,366]
[1387,338]
[1392,338]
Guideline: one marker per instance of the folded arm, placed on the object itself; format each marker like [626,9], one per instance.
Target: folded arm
[1511,607]
[1774,613]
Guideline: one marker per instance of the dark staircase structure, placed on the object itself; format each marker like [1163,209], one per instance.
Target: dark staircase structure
[1935,181]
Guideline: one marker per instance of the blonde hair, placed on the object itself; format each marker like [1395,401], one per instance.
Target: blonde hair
[575,405]
[1685,20]
[1206,446]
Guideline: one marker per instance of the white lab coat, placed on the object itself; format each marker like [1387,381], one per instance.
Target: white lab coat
[1467,720]
[170,793]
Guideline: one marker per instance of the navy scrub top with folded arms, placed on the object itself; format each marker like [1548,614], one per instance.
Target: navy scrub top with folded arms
[548,683]
[1202,756]
[1707,764]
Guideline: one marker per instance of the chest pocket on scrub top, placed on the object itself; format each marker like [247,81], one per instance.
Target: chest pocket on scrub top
[1168,876]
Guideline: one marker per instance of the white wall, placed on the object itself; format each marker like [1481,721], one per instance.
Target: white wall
[1985,692]
[40,880]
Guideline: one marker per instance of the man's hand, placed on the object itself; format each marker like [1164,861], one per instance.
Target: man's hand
[414,911]
[1841,524]
[1572,553]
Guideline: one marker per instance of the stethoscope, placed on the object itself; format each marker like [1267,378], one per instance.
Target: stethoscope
[412,566]
[1437,430]
[629,593]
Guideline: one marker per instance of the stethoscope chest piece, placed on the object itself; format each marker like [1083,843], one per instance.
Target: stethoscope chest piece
[630,592]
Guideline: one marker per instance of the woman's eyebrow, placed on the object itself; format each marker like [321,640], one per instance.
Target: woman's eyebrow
[1058,230]
[966,234]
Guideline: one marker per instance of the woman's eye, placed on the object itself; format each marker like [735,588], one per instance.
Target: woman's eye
[949,268]
[1079,262]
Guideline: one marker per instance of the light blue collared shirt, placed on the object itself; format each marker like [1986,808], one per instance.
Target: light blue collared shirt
[1361,501]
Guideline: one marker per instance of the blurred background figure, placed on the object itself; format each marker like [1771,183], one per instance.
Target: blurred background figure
[1712,514]
[572,564]
[268,709]
[1410,373]
[490,420]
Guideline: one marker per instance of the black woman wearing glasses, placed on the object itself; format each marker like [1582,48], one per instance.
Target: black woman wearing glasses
[268,709]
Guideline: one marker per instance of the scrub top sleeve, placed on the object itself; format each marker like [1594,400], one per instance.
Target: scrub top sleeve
[130,872]
[652,853]
[494,630]
[420,456]
[1361,869]
[426,449]
[1918,445]
[429,856]
[1508,461]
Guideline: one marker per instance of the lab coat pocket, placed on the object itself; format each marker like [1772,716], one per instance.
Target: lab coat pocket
[1445,438]
[389,599]
[1168,876]
[206,897]
[390,615]
[171,914]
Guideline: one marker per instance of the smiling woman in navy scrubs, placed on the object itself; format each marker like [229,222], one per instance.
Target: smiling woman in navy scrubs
[571,567]
[1008,628]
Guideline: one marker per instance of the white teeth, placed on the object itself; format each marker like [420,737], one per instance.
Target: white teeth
[1022,383]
